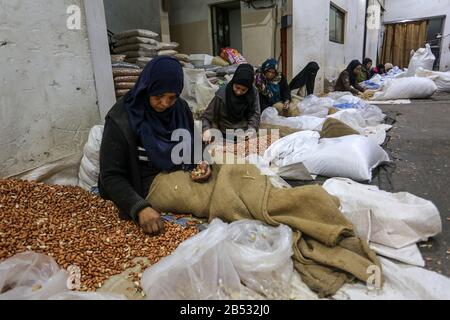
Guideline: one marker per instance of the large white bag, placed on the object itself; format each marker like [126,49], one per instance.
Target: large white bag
[270,116]
[351,157]
[398,219]
[90,163]
[441,79]
[422,58]
[406,88]
[198,91]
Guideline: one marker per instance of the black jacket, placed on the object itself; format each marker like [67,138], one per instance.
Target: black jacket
[216,115]
[285,92]
[120,178]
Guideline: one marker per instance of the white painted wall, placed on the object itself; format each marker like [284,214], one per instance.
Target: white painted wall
[47,93]
[311,37]
[374,39]
[397,10]
[124,15]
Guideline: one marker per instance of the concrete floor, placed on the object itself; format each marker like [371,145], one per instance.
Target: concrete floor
[420,148]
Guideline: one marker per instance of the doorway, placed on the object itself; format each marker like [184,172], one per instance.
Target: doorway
[402,37]
[226,26]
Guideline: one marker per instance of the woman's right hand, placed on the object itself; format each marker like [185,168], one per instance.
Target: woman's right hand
[207,136]
[150,221]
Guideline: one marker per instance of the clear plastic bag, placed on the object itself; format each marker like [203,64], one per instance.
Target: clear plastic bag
[262,257]
[34,276]
[31,276]
[199,269]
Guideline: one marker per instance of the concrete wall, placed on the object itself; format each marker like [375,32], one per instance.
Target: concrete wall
[236,29]
[397,10]
[47,92]
[123,15]
[311,37]
[190,25]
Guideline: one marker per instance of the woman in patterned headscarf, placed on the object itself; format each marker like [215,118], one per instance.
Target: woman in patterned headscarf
[272,85]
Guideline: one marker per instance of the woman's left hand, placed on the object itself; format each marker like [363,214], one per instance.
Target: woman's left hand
[202,173]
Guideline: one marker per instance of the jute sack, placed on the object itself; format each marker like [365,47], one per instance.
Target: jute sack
[333,128]
[135,33]
[119,79]
[327,254]
[124,85]
[136,40]
[118,72]
[135,47]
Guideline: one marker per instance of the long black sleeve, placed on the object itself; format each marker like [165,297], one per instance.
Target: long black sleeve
[115,175]
[285,90]
[310,83]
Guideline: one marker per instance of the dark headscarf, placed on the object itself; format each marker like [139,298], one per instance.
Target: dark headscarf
[271,89]
[366,61]
[239,107]
[305,76]
[350,68]
[161,75]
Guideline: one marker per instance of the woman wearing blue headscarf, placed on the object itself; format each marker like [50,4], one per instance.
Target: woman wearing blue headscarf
[137,141]
[272,85]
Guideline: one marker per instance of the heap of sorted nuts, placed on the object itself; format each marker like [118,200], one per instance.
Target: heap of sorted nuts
[77,228]
[247,147]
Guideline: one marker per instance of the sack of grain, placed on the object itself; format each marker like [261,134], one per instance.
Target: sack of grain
[124,85]
[135,33]
[167,53]
[135,47]
[118,72]
[121,92]
[168,46]
[124,65]
[117,58]
[141,61]
[182,57]
[119,79]
[136,40]
[140,53]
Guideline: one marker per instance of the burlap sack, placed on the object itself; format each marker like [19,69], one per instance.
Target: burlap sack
[171,53]
[135,47]
[333,128]
[119,79]
[293,111]
[167,46]
[182,57]
[124,85]
[283,131]
[118,72]
[136,40]
[326,251]
[135,33]
[140,53]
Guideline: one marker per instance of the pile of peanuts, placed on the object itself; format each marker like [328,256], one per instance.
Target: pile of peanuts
[79,229]
[247,147]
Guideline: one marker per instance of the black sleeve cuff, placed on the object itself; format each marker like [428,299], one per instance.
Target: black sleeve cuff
[138,207]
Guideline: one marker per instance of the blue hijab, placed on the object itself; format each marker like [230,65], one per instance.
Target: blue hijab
[161,75]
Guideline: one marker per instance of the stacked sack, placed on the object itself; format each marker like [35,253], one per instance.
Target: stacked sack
[138,45]
[125,75]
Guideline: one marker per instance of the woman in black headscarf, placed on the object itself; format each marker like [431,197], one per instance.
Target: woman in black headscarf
[348,79]
[235,106]
[137,141]
[306,77]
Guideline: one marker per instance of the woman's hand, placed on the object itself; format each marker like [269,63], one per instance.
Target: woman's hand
[202,173]
[150,221]
[207,136]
